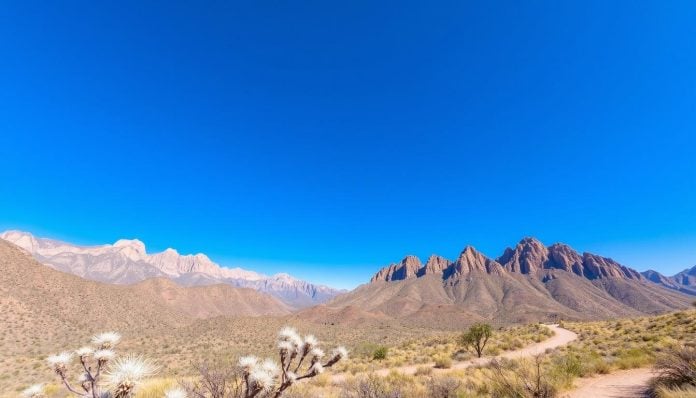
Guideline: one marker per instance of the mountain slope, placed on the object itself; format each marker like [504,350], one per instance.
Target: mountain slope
[211,301]
[684,281]
[528,282]
[54,296]
[127,262]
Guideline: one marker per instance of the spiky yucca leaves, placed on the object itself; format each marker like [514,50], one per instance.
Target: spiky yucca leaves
[125,374]
[99,361]
[268,379]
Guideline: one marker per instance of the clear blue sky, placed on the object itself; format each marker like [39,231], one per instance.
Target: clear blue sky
[326,139]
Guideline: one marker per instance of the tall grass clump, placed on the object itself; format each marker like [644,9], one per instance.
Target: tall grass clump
[676,371]
[521,379]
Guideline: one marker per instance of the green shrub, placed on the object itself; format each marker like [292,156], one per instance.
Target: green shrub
[380,353]
[633,358]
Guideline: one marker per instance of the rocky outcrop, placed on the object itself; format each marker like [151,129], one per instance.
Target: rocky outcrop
[529,256]
[405,269]
[595,267]
[471,260]
[435,265]
[563,257]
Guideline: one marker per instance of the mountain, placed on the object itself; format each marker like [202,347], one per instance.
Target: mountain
[684,281]
[55,300]
[127,262]
[528,282]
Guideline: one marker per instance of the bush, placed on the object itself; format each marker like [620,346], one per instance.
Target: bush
[371,386]
[443,387]
[380,353]
[443,362]
[522,379]
[676,368]
[633,358]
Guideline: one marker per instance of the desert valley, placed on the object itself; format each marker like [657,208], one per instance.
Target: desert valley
[401,329]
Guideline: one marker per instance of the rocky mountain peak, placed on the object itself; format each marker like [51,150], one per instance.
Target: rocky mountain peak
[471,260]
[131,248]
[435,265]
[407,268]
[691,271]
[529,256]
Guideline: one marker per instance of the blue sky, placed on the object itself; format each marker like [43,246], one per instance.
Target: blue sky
[326,139]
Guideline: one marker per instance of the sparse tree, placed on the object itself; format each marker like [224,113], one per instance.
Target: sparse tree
[476,337]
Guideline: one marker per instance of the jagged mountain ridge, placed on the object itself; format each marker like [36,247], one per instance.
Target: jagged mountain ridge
[529,282]
[684,281]
[127,262]
[528,257]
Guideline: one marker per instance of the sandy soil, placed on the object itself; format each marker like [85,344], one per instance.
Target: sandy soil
[561,337]
[622,384]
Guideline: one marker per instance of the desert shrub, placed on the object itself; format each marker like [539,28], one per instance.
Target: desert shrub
[633,358]
[371,386]
[443,387]
[380,353]
[443,362]
[423,371]
[675,368]
[676,392]
[524,379]
[476,337]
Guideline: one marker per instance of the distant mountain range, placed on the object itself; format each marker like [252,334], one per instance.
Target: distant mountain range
[127,262]
[529,282]
[684,281]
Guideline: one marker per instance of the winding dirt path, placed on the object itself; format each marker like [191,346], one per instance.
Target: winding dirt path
[630,383]
[560,338]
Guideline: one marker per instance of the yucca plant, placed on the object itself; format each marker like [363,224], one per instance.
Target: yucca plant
[95,371]
[103,374]
[299,358]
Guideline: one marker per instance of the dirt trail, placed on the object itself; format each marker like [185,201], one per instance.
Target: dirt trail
[631,383]
[560,338]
